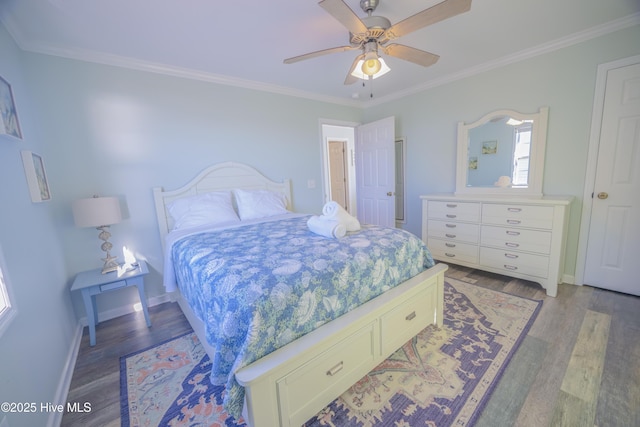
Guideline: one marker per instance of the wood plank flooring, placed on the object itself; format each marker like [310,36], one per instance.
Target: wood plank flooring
[578,366]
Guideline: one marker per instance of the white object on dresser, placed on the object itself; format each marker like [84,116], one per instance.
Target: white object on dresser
[518,237]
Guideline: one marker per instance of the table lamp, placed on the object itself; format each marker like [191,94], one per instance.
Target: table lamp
[99,212]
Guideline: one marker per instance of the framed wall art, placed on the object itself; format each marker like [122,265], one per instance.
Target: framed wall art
[9,124]
[36,177]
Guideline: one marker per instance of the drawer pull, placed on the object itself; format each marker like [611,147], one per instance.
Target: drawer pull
[512,245]
[411,316]
[510,267]
[514,209]
[451,236]
[331,372]
[513,233]
[512,256]
[452,205]
[450,245]
[513,221]
[450,255]
[451,216]
[451,225]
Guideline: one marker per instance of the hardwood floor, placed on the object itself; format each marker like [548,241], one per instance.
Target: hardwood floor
[578,366]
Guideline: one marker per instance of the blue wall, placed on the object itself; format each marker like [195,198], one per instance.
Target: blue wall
[119,132]
[35,347]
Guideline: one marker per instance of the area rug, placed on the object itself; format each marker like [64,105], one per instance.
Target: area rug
[442,377]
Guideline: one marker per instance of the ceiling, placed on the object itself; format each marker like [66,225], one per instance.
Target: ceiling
[244,43]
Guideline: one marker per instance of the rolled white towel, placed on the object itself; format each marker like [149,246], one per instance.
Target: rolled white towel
[327,228]
[333,211]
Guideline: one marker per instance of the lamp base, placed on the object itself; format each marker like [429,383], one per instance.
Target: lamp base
[110,264]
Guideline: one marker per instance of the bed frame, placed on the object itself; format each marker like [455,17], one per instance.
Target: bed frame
[290,385]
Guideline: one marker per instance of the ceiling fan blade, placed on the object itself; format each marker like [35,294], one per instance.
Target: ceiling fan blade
[349,80]
[411,54]
[437,13]
[319,53]
[343,13]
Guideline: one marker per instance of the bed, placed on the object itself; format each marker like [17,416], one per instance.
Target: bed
[286,381]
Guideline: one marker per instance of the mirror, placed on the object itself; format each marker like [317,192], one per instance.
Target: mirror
[502,153]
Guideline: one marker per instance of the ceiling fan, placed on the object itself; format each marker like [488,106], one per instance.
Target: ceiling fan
[373,33]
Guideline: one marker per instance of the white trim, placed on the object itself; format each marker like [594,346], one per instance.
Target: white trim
[60,398]
[324,166]
[127,309]
[131,63]
[592,159]
[570,40]
[11,311]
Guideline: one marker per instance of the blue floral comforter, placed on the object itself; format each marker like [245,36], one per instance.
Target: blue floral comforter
[258,287]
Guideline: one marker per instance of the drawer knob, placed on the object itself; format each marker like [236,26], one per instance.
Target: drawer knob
[331,372]
[451,225]
[511,256]
[450,255]
[513,233]
[514,209]
[452,205]
[512,245]
[510,267]
[411,316]
[451,236]
[450,245]
[513,221]
[451,216]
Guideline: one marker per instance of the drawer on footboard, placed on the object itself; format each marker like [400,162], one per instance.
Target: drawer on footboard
[405,321]
[308,389]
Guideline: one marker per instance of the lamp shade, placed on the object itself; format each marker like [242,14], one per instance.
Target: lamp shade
[96,211]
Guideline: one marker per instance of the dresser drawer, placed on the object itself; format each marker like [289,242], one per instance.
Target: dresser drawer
[458,211]
[448,230]
[516,239]
[515,262]
[311,387]
[518,215]
[405,321]
[453,251]
[113,285]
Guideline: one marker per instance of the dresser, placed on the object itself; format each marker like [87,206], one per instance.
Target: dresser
[518,237]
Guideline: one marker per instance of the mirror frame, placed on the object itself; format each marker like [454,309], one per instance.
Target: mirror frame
[536,157]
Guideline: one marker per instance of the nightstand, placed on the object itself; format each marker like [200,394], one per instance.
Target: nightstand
[93,283]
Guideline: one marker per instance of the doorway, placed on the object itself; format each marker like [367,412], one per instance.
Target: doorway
[338,172]
[344,134]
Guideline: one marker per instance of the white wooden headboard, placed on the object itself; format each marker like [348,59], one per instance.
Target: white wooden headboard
[221,176]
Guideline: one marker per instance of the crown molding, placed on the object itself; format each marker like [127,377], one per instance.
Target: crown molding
[572,39]
[139,65]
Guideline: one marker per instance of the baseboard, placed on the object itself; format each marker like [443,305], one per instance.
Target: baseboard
[128,309]
[569,279]
[62,392]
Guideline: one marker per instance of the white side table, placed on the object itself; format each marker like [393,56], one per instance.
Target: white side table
[93,283]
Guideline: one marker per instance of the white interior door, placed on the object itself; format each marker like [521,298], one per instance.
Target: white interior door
[375,172]
[614,230]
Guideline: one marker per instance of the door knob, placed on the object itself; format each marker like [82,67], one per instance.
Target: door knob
[602,195]
[389,194]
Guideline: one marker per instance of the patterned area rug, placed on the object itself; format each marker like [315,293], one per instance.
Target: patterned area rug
[442,377]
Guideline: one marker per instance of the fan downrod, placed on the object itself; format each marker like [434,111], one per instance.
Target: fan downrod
[368,6]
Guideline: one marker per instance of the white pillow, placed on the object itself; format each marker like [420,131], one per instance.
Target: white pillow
[209,208]
[259,203]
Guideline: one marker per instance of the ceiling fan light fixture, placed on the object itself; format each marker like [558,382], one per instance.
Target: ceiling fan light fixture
[359,73]
[371,64]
